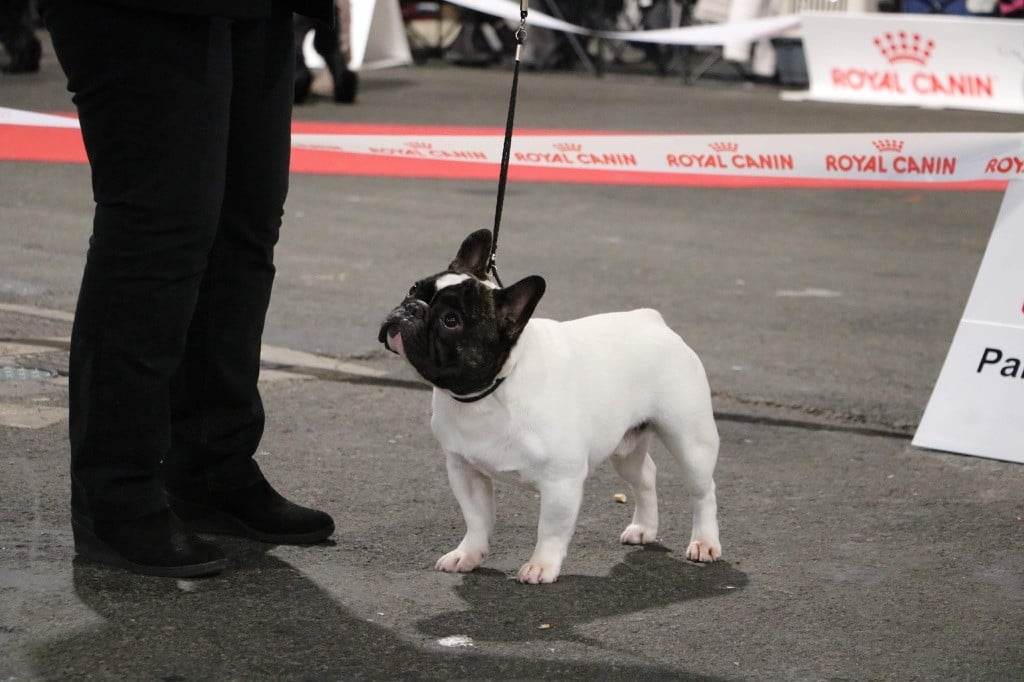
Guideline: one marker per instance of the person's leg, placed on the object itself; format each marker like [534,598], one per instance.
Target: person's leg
[218,417]
[18,37]
[152,92]
[332,42]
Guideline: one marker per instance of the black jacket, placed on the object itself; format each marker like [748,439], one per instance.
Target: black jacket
[238,9]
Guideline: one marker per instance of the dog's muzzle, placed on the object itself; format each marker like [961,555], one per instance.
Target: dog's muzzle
[390,333]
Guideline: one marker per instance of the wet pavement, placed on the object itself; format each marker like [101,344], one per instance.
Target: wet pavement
[849,554]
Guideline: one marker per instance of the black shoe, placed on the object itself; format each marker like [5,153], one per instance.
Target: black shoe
[257,512]
[157,544]
[346,84]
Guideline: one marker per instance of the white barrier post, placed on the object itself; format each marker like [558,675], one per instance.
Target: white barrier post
[977,405]
[377,35]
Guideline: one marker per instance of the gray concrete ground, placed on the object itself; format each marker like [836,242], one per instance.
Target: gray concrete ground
[849,554]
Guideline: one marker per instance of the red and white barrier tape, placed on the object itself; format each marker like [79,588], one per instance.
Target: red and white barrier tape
[884,159]
[909,157]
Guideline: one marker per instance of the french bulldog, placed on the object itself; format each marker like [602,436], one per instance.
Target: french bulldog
[541,404]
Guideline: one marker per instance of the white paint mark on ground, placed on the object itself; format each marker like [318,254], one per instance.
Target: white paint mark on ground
[808,293]
[328,278]
[456,641]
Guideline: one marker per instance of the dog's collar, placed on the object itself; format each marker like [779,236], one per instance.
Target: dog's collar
[478,396]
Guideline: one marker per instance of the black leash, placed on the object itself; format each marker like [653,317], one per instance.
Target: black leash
[506,151]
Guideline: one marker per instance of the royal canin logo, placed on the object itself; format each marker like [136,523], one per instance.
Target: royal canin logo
[888,159]
[571,154]
[907,56]
[419,149]
[728,157]
[888,145]
[1005,165]
[905,47]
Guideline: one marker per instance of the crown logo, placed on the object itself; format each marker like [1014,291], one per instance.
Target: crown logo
[905,47]
[419,145]
[724,146]
[888,145]
[568,147]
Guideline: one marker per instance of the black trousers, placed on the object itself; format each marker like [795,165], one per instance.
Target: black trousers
[186,122]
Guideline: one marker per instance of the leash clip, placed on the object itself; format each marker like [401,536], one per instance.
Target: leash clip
[493,269]
[521,31]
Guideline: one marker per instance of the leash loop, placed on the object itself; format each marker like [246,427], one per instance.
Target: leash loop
[506,152]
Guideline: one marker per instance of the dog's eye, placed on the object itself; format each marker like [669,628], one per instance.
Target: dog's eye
[412,289]
[450,320]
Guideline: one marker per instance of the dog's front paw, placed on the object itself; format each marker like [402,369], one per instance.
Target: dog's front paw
[704,551]
[637,534]
[460,561]
[537,572]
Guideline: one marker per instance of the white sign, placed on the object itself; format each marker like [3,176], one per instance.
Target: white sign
[977,405]
[915,60]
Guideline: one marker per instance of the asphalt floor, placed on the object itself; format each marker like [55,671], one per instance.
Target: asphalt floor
[849,554]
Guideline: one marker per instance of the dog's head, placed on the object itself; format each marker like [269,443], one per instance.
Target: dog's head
[457,328]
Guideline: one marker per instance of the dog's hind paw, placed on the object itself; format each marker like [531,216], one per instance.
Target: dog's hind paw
[459,561]
[704,552]
[636,534]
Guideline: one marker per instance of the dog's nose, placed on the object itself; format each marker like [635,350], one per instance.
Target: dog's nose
[415,308]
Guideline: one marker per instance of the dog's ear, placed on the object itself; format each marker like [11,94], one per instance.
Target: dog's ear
[515,304]
[474,254]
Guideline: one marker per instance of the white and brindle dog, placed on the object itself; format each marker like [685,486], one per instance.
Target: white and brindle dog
[542,403]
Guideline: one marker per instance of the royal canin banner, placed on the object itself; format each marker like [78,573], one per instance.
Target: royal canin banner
[945,158]
[937,160]
[915,60]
